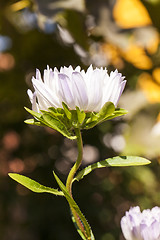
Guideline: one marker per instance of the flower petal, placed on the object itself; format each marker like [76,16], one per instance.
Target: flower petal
[79,90]
[64,91]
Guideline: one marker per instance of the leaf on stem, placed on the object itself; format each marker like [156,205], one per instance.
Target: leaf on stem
[119,161]
[33,185]
[74,205]
[57,125]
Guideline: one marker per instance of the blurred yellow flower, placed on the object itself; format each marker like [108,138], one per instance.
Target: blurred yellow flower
[150,85]
[131,14]
[136,55]
[113,55]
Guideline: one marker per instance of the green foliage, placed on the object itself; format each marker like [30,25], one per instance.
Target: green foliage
[74,206]
[65,120]
[119,161]
[33,185]
[51,119]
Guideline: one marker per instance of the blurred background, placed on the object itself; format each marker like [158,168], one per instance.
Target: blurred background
[122,34]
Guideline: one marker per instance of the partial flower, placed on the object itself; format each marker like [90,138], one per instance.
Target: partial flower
[145,225]
[88,90]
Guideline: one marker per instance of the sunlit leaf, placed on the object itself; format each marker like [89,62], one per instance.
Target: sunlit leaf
[33,185]
[107,110]
[119,161]
[73,205]
[66,110]
[80,115]
[57,125]
[34,114]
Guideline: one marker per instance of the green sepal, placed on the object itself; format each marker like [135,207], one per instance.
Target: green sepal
[52,119]
[117,113]
[80,115]
[65,120]
[74,205]
[33,185]
[119,161]
[34,114]
[56,124]
[107,110]
[32,121]
[56,112]
[67,111]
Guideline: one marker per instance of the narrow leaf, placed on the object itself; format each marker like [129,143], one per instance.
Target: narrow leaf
[117,113]
[74,205]
[55,113]
[81,115]
[107,109]
[33,122]
[57,125]
[119,161]
[33,185]
[66,110]
[34,114]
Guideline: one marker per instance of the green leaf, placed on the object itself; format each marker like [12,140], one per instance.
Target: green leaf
[117,113]
[33,122]
[55,112]
[66,110]
[80,115]
[119,161]
[57,125]
[107,110]
[74,205]
[34,114]
[33,185]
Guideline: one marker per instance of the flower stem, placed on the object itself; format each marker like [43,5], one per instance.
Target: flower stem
[80,224]
[78,161]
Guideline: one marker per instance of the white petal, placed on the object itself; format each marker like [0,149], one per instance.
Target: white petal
[65,93]
[30,94]
[45,93]
[94,91]
[119,92]
[38,75]
[79,90]
[126,229]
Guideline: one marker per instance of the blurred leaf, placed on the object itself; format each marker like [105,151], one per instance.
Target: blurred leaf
[51,7]
[33,185]
[120,161]
[75,24]
[153,7]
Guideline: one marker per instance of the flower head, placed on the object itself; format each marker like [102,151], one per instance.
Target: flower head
[145,225]
[88,90]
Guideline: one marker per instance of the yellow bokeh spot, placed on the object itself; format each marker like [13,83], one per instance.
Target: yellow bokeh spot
[113,55]
[149,87]
[153,44]
[130,14]
[156,75]
[137,56]
[158,118]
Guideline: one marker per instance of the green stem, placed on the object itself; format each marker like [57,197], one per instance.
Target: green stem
[78,161]
[81,224]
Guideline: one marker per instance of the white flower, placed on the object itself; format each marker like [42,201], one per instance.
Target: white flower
[88,90]
[145,225]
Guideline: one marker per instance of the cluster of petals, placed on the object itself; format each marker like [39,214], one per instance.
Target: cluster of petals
[88,90]
[145,225]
